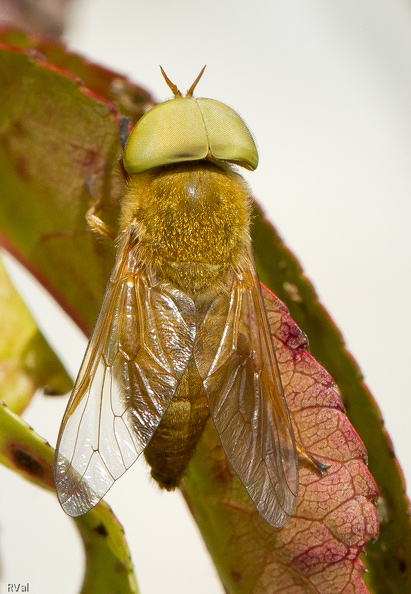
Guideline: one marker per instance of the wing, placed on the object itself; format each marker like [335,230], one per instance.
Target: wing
[136,356]
[235,356]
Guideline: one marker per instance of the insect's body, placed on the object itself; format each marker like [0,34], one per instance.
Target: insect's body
[192,223]
[182,333]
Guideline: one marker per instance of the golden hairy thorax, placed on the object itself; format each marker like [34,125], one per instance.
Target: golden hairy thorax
[191,221]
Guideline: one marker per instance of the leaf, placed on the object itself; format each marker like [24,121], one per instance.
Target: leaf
[317,550]
[388,559]
[27,363]
[58,165]
[108,567]
[58,155]
[130,99]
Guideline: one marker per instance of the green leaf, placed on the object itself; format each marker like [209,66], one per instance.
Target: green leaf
[27,363]
[58,157]
[130,99]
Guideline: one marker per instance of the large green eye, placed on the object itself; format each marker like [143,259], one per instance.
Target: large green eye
[188,129]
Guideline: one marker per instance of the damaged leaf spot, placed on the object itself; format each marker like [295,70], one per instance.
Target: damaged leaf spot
[26,462]
[101,530]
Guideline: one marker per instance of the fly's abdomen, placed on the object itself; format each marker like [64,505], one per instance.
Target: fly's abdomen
[176,437]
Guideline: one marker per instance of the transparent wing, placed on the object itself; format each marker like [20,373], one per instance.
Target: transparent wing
[136,356]
[236,359]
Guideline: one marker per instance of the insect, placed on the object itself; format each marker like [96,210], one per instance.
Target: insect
[182,332]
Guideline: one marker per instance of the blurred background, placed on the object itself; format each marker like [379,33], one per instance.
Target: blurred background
[326,90]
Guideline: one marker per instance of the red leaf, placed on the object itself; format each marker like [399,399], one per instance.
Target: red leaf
[318,549]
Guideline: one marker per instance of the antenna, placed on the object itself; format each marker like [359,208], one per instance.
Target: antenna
[175,90]
[193,86]
[170,84]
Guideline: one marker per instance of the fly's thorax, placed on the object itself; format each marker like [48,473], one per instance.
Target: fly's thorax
[192,220]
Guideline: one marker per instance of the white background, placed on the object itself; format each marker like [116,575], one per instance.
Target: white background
[325,87]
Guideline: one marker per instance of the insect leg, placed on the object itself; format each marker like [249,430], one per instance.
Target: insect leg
[97,224]
[305,455]
[94,222]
